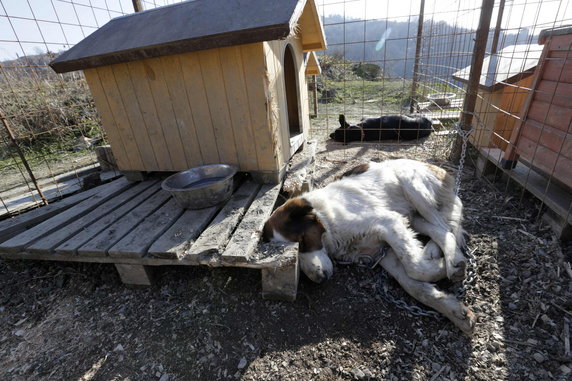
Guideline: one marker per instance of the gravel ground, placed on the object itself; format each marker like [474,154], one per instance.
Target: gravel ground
[63,321]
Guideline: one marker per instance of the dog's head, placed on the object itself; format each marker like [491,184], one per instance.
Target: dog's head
[346,132]
[296,221]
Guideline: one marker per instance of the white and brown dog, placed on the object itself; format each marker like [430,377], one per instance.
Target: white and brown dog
[375,204]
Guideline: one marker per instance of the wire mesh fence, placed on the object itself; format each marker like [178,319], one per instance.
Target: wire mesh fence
[49,123]
[384,58]
[424,58]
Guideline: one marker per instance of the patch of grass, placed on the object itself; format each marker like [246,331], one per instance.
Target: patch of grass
[387,95]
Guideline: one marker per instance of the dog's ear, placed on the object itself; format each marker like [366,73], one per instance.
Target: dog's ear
[300,210]
[312,236]
[342,120]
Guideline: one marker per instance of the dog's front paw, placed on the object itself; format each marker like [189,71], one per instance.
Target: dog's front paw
[464,319]
[457,272]
[316,265]
[432,251]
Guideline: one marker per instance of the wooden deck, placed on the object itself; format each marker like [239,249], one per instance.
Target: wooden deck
[135,225]
[449,112]
[19,199]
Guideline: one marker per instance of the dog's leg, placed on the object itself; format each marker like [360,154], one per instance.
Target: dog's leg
[423,199]
[432,251]
[392,228]
[455,263]
[454,215]
[442,224]
[429,295]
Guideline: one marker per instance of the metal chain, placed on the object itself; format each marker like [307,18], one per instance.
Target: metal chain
[400,303]
[365,260]
[471,275]
[465,136]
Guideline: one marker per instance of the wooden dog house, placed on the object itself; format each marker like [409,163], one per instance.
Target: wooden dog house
[543,138]
[538,154]
[201,82]
[503,88]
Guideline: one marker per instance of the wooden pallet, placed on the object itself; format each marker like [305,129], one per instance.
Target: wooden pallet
[135,225]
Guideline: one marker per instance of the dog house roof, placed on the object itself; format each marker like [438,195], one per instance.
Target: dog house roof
[509,65]
[191,26]
[312,64]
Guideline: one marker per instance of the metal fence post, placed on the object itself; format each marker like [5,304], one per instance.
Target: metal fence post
[315,95]
[494,46]
[22,157]
[479,51]
[417,56]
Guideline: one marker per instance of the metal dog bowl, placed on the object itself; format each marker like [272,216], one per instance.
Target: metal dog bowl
[441,99]
[201,187]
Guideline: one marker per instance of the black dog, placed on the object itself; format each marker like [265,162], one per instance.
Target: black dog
[388,127]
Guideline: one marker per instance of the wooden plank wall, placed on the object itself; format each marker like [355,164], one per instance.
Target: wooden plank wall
[545,138]
[512,101]
[175,112]
[485,117]
[274,53]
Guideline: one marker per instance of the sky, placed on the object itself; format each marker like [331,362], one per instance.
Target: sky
[517,13]
[34,26]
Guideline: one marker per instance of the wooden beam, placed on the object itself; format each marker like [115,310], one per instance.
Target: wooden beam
[181,236]
[98,245]
[26,238]
[136,243]
[417,56]
[77,224]
[214,239]
[247,235]
[13,226]
[71,246]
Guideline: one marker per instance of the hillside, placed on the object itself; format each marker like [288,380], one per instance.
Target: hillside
[445,48]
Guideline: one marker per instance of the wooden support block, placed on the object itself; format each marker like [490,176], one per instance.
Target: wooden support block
[281,283]
[485,167]
[245,239]
[268,177]
[136,275]
[105,158]
[134,176]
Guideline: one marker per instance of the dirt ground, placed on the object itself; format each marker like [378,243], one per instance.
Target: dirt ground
[62,321]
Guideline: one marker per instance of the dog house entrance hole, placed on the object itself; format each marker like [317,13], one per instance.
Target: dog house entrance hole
[291,92]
